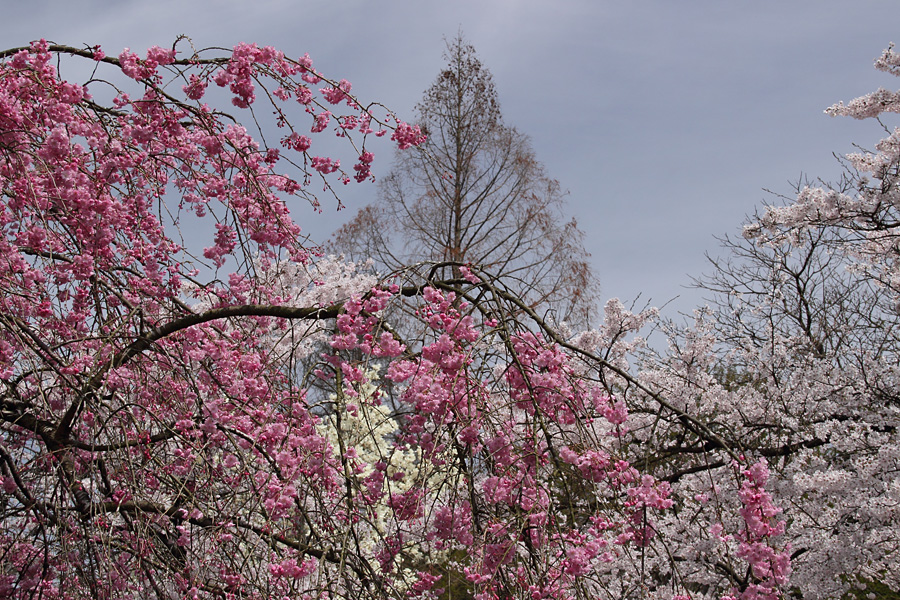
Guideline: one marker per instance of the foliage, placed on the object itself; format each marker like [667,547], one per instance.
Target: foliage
[168,430]
[796,361]
[246,420]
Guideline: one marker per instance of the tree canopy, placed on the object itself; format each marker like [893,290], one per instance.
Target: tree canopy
[240,418]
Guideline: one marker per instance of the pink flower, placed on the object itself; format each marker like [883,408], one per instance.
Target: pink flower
[196,88]
[324,164]
[321,123]
[335,95]
[407,136]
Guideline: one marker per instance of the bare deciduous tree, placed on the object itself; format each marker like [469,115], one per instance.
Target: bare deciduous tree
[476,194]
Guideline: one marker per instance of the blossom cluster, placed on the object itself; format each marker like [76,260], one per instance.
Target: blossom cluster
[247,419]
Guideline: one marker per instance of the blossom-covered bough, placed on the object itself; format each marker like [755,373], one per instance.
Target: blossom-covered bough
[844,357]
[797,362]
[242,421]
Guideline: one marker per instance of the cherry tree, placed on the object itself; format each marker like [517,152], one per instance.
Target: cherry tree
[794,362]
[856,472]
[171,426]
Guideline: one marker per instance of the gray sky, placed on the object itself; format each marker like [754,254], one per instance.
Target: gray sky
[664,119]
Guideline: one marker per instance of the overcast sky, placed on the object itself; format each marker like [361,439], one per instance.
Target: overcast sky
[664,119]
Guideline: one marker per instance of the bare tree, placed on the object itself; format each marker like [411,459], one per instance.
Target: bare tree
[476,194]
